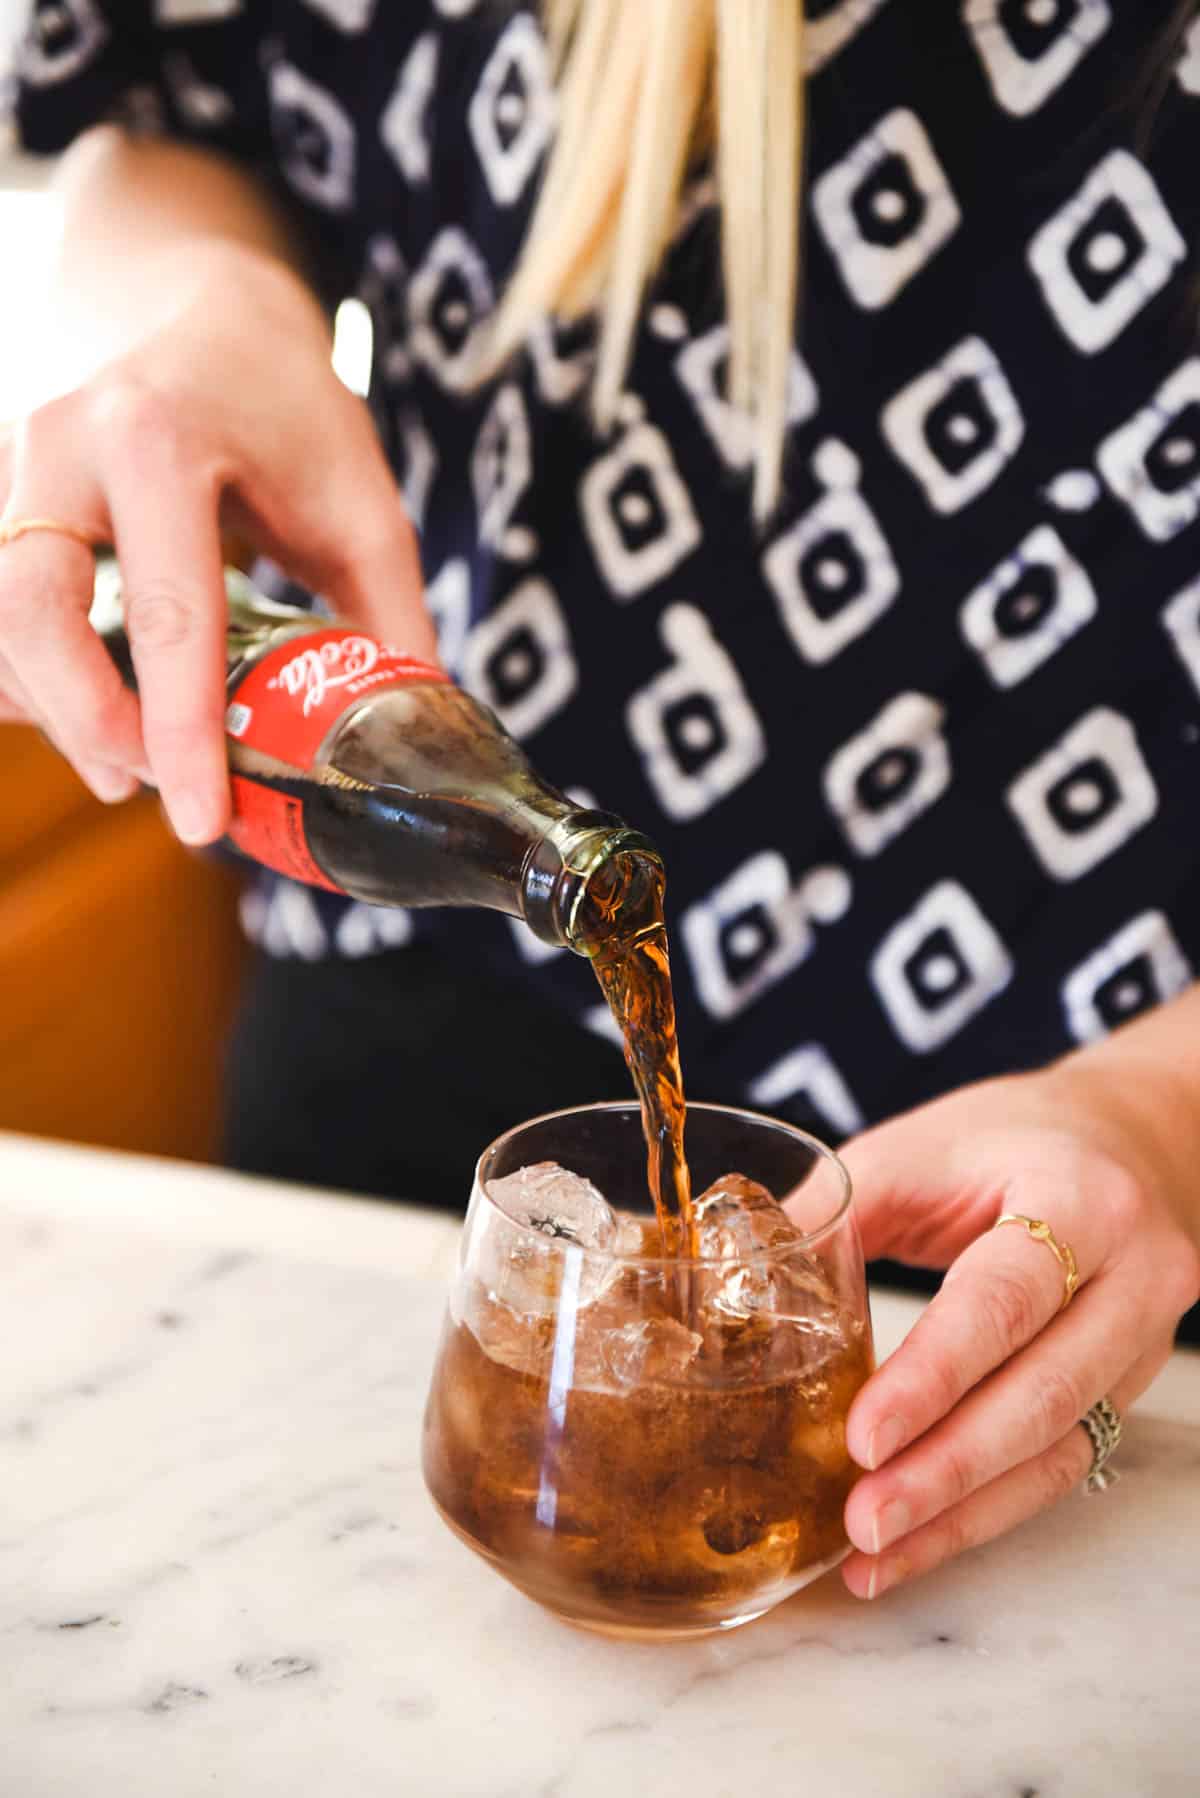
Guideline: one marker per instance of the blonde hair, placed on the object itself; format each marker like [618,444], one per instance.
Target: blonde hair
[645,88]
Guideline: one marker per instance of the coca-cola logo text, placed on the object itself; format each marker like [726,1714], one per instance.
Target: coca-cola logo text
[319,668]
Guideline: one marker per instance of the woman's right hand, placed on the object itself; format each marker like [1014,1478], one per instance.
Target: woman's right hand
[228,417]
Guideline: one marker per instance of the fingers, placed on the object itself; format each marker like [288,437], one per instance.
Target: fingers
[381,587]
[15,705]
[65,678]
[1013,1498]
[144,456]
[1001,1292]
[1017,1414]
[927,1183]
[342,529]
[57,673]
[164,515]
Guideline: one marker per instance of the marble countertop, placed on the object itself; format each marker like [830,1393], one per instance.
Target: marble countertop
[219,1572]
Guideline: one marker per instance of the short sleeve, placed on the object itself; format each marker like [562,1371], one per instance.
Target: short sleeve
[191,70]
[187,68]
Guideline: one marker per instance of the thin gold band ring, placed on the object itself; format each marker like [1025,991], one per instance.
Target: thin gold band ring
[21,527]
[1062,1251]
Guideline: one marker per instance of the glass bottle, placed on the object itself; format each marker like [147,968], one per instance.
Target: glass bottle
[359,769]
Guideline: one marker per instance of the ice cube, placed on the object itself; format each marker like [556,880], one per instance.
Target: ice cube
[737,1216]
[651,1351]
[736,1220]
[821,1437]
[638,1238]
[766,1273]
[521,1340]
[559,1204]
[528,1247]
[740,1524]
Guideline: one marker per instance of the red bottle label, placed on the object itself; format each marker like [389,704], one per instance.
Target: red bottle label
[286,706]
[269,826]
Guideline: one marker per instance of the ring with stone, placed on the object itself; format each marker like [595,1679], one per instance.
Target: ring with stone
[1103,1425]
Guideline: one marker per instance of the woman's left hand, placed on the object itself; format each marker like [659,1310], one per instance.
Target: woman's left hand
[973,1424]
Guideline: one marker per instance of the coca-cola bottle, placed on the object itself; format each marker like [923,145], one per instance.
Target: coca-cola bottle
[357,768]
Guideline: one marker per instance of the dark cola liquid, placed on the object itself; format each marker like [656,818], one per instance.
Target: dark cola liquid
[419,799]
[619,924]
[679,1505]
[418,848]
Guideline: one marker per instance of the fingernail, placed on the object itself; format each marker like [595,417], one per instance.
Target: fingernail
[190,818]
[110,785]
[889,1524]
[884,1440]
[884,1575]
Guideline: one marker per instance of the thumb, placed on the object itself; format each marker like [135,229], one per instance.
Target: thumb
[910,1199]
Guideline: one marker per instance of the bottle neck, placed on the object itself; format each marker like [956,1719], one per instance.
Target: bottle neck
[574,878]
[255,623]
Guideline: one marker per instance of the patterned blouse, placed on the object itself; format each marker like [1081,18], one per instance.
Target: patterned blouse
[922,754]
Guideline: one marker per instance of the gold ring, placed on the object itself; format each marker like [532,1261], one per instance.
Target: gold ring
[21,527]
[1062,1251]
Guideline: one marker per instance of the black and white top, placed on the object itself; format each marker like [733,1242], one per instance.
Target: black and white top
[923,756]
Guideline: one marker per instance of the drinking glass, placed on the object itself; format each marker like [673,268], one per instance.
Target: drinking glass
[651,1446]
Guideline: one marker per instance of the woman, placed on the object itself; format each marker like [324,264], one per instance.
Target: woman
[892,640]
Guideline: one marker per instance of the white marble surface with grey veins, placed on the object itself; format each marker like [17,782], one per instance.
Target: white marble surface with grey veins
[220,1575]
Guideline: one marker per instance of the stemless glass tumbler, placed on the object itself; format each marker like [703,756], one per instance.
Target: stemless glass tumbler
[651,1446]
